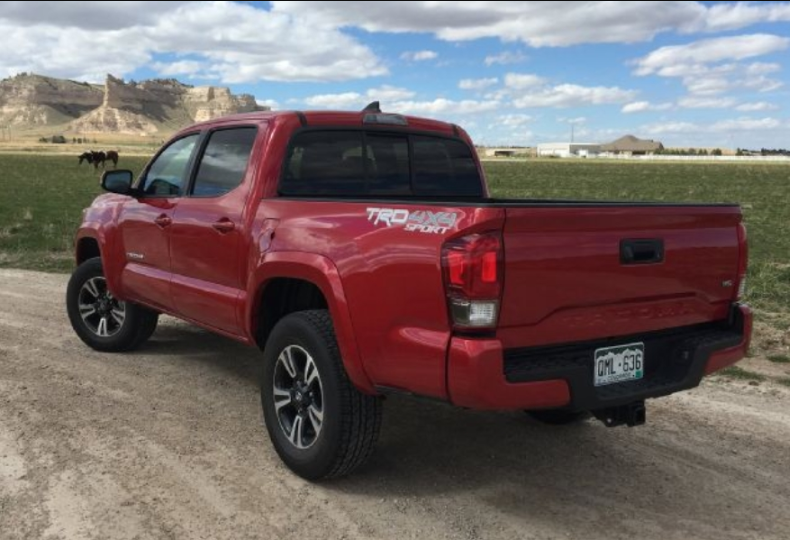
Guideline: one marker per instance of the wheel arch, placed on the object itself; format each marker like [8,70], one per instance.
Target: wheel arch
[294,281]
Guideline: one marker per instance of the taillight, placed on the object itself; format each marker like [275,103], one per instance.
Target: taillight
[473,268]
[743,261]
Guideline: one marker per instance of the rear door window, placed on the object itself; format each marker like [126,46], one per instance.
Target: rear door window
[325,163]
[359,163]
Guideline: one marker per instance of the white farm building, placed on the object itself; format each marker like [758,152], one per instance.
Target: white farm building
[568,149]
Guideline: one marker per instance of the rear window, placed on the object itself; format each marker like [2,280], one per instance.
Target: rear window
[366,163]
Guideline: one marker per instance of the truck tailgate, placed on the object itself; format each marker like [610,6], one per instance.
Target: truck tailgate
[575,273]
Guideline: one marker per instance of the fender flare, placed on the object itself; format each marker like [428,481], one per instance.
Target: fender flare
[321,272]
[112,271]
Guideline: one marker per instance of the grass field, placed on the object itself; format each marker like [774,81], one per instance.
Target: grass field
[43,195]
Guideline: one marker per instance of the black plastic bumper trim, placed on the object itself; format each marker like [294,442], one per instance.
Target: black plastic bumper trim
[675,360]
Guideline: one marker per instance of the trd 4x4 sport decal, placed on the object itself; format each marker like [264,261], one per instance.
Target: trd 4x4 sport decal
[423,221]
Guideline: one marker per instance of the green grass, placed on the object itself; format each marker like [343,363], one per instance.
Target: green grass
[784,381]
[779,358]
[42,198]
[741,374]
[41,202]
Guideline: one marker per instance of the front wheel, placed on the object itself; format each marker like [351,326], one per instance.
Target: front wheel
[320,425]
[99,319]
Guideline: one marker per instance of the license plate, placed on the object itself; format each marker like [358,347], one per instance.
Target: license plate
[619,364]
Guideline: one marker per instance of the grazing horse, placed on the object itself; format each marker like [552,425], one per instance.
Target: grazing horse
[86,156]
[98,157]
[112,155]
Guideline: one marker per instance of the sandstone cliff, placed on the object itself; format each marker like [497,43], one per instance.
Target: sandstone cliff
[146,107]
[34,100]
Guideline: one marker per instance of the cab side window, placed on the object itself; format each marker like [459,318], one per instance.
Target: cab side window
[224,161]
[168,174]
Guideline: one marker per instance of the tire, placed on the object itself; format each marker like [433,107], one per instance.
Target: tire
[559,417]
[126,325]
[339,425]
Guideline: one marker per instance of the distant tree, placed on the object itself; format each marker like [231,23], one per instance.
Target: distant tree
[703,152]
[73,140]
[58,139]
[716,152]
[692,151]
[43,140]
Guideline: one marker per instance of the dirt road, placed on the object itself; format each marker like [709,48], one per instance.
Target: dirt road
[169,443]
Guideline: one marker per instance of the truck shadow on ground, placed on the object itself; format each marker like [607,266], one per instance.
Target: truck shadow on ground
[583,474]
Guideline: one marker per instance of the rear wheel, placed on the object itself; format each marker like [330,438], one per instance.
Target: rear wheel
[320,425]
[559,417]
[102,321]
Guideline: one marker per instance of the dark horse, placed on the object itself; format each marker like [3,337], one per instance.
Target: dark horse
[112,155]
[98,158]
[86,156]
[102,157]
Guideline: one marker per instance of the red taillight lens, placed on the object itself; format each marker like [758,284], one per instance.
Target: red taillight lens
[743,261]
[473,279]
[472,265]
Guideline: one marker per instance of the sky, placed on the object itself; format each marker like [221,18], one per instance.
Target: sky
[708,74]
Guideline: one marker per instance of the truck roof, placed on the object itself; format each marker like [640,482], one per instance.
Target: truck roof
[331,118]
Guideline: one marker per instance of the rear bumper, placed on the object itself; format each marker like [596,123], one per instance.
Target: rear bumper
[481,375]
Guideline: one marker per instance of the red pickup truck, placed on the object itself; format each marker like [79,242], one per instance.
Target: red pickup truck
[362,253]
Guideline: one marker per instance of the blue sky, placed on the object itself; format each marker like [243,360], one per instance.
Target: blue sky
[686,73]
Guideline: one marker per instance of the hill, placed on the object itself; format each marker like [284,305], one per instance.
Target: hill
[31,102]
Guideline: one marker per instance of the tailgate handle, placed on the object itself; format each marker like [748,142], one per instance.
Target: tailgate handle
[641,251]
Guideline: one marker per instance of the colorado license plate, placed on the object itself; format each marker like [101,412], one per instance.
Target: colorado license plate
[619,364]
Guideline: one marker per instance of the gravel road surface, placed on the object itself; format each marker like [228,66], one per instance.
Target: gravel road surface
[168,442]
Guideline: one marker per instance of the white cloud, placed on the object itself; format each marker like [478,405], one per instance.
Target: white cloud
[537,24]
[573,95]
[522,81]
[505,58]
[576,120]
[477,84]
[756,106]
[513,120]
[181,67]
[388,95]
[708,51]
[346,100]
[232,42]
[714,66]
[746,124]
[419,56]
[86,15]
[697,102]
[385,93]
[721,17]
[441,107]
[644,106]
[540,24]
[729,126]
[271,103]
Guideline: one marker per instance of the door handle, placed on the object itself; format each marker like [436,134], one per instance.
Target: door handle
[163,220]
[224,225]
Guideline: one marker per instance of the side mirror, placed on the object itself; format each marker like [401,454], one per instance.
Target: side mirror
[118,181]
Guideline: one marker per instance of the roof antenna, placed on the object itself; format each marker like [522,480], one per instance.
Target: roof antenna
[372,107]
